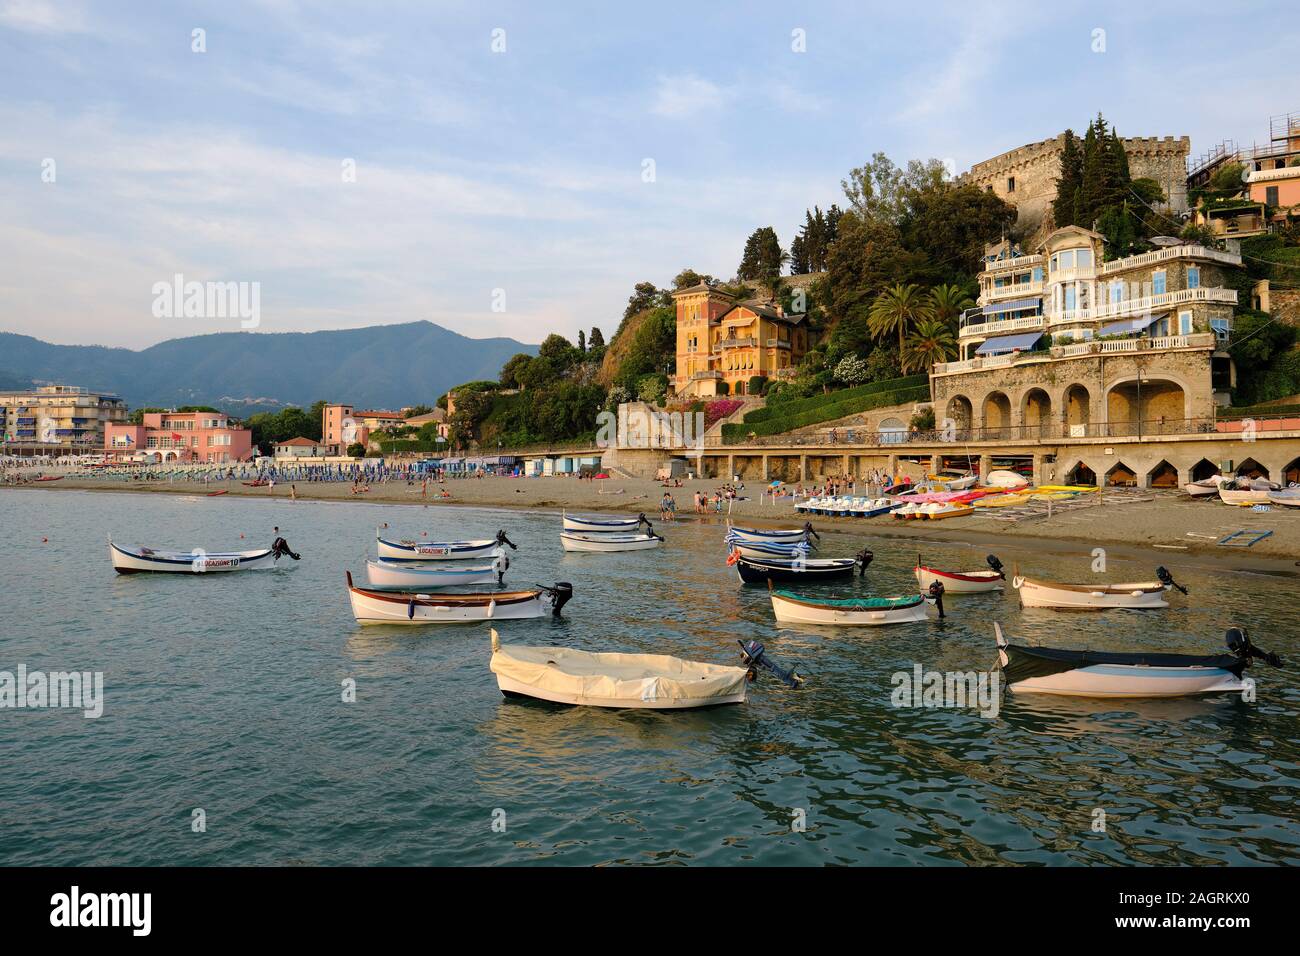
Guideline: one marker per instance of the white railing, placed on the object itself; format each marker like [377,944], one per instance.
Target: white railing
[1076,348]
[1144,305]
[1077,274]
[1163,255]
[1017,262]
[993,294]
[973,365]
[1030,323]
[1169,342]
[1119,345]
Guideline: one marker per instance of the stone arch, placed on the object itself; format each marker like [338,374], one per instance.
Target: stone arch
[1036,411]
[1164,398]
[961,411]
[1203,469]
[1250,468]
[1163,475]
[1077,405]
[1291,473]
[1121,475]
[996,414]
[1081,474]
[892,431]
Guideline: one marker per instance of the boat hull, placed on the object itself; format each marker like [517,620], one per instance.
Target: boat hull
[1235,496]
[1144,595]
[509,686]
[1113,680]
[1287,499]
[403,574]
[437,551]
[761,552]
[756,536]
[594,524]
[369,607]
[574,541]
[810,571]
[959,582]
[130,561]
[788,611]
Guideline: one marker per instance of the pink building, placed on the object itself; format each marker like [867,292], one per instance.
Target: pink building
[181,436]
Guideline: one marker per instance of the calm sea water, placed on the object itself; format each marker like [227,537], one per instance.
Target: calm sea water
[224,693]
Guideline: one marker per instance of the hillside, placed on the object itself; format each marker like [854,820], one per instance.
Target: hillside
[244,372]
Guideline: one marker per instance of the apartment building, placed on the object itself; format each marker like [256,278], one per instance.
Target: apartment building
[58,418]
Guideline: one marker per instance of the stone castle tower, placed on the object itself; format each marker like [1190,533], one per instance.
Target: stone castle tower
[1026,177]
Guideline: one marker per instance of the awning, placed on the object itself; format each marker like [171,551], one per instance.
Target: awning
[1008,343]
[1015,305]
[1129,326]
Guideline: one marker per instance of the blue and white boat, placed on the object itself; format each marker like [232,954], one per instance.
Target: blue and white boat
[406,549]
[589,524]
[406,574]
[774,536]
[753,549]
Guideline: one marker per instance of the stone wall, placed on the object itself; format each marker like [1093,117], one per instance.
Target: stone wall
[1036,167]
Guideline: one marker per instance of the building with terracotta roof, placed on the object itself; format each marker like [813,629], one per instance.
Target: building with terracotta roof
[299,448]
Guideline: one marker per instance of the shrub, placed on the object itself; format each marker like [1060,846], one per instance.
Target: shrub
[356,450]
[790,418]
[798,405]
[756,383]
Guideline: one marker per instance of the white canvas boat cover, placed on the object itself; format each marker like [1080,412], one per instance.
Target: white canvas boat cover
[585,676]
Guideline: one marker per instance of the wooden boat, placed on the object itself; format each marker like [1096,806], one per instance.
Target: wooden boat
[607,541]
[405,574]
[600,523]
[408,549]
[213,494]
[782,536]
[1245,491]
[791,608]
[1287,498]
[806,570]
[962,582]
[375,605]
[753,551]
[1206,487]
[1138,595]
[1075,673]
[141,559]
[259,483]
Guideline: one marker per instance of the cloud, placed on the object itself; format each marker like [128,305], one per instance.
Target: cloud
[687,95]
[42,16]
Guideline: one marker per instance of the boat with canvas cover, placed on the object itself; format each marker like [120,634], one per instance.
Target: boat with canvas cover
[1287,498]
[1005,479]
[1075,673]
[599,523]
[1247,491]
[406,574]
[776,536]
[806,570]
[1206,487]
[565,675]
[141,559]
[1137,595]
[608,541]
[791,608]
[982,581]
[408,549]
[376,605]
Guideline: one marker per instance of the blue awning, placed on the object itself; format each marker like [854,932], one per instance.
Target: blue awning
[1015,305]
[1008,343]
[1129,326]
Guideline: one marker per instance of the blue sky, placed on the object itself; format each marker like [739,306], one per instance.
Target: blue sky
[523,170]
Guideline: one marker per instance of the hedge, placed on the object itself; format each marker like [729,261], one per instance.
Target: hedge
[739,431]
[400,445]
[799,405]
[1258,411]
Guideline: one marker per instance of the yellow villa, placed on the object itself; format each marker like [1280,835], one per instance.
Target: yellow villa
[722,343]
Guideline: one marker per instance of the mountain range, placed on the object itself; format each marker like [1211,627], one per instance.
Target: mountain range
[382,366]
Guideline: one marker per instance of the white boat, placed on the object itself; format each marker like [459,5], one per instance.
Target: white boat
[1075,673]
[1246,491]
[792,608]
[1287,498]
[1206,487]
[602,523]
[564,675]
[141,559]
[775,536]
[880,506]
[409,549]
[908,511]
[1138,595]
[980,581]
[404,574]
[1005,479]
[962,484]
[749,549]
[374,605]
[607,541]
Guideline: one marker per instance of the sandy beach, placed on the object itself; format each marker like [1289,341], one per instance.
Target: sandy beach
[1160,526]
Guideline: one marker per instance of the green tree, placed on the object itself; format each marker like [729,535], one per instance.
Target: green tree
[643,297]
[582,341]
[896,311]
[514,369]
[1065,208]
[931,341]
[947,302]
[763,256]
[356,450]
[596,340]
[688,278]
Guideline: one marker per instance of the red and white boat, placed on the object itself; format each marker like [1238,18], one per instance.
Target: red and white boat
[962,582]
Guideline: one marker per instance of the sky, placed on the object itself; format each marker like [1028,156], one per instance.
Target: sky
[516,168]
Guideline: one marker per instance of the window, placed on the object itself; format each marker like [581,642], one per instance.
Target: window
[1270,195]
[1221,328]
[1083,258]
[1158,283]
[1193,277]
[1184,323]
[1117,291]
[1011,184]
[1069,298]
[1038,273]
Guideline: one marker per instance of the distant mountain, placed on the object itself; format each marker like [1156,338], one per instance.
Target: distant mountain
[383,366]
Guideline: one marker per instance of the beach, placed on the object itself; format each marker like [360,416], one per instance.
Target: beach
[1164,526]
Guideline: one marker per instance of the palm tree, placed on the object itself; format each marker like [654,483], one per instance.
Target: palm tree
[931,341]
[896,309]
[948,302]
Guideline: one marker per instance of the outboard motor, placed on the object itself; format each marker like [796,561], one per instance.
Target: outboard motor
[503,565]
[863,558]
[996,565]
[650,529]
[936,595]
[810,532]
[281,547]
[1168,581]
[755,657]
[641,519]
[1239,643]
[560,594]
[502,539]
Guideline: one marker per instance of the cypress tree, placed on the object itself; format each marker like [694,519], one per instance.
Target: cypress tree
[1065,209]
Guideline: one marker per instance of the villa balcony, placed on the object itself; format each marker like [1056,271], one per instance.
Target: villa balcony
[1142,306]
[776,344]
[1164,255]
[704,376]
[746,343]
[1018,262]
[1073,350]
[1033,323]
[1018,291]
